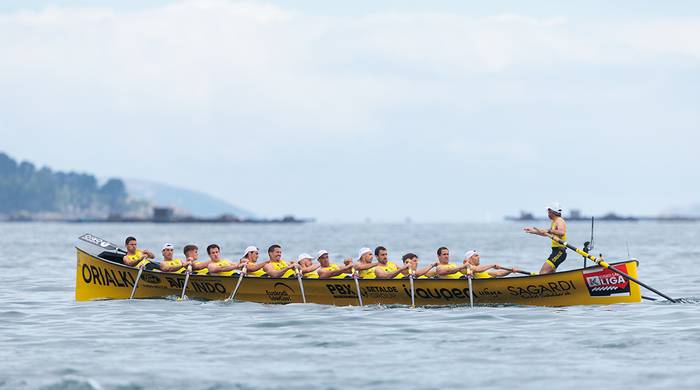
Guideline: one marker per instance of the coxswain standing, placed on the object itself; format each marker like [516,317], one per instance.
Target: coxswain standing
[557,228]
[136,257]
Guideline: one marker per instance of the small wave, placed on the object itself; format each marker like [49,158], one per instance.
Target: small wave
[73,384]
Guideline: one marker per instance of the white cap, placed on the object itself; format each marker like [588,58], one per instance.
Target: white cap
[250,249]
[304,256]
[168,246]
[321,253]
[363,251]
[555,206]
[470,253]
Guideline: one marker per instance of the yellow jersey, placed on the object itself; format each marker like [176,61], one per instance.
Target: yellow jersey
[224,263]
[279,265]
[555,244]
[137,255]
[334,267]
[175,263]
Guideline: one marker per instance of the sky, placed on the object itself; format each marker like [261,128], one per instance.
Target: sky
[346,111]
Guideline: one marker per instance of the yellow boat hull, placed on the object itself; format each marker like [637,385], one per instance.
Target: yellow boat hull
[101,279]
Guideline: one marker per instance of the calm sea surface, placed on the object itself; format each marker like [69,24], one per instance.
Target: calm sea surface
[49,341]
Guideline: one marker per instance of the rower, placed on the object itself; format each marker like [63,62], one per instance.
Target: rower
[364,264]
[385,269]
[276,267]
[169,264]
[485,271]
[135,257]
[557,228]
[411,259]
[250,256]
[445,269]
[307,266]
[191,255]
[333,271]
[218,266]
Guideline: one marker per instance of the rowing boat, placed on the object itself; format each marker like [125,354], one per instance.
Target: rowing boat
[99,278]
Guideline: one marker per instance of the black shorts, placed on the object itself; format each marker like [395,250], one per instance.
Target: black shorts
[557,257]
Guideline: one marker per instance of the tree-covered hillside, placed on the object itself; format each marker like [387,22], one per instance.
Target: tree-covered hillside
[26,189]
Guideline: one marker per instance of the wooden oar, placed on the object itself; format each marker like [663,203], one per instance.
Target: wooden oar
[238,284]
[471,293]
[187,279]
[605,265]
[136,283]
[410,281]
[301,285]
[357,284]
[518,271]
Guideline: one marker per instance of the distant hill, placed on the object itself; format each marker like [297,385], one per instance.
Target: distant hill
[183,200]
[28,191]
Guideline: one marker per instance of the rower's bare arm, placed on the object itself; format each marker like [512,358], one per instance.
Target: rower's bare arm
[499,273]
[252,267]
[149,254]
[129,262]
[272,272]
[364,266]
[424,271]
[324,273]
[381,274]
[484,267]
[312,268]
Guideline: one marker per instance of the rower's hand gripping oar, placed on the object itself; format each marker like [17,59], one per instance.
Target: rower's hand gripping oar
[187,279]
[605,265]
[238,283]
[301,284]
[357,285]
[136,283]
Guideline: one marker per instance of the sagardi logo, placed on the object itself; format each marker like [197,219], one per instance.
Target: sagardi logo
[281,293]
[604,282]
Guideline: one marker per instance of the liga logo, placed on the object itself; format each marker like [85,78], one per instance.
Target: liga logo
[606,283]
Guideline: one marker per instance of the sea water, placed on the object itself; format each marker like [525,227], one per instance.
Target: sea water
[50,341]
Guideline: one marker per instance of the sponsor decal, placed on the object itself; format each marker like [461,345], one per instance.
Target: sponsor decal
[349,291]
[106,277]
[342,290]
[443,294]
[602,282]
[543,290]
[197,286]
[281,293]
[97,241]
[151,279]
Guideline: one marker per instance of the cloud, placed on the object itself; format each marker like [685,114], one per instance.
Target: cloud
[258,89]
